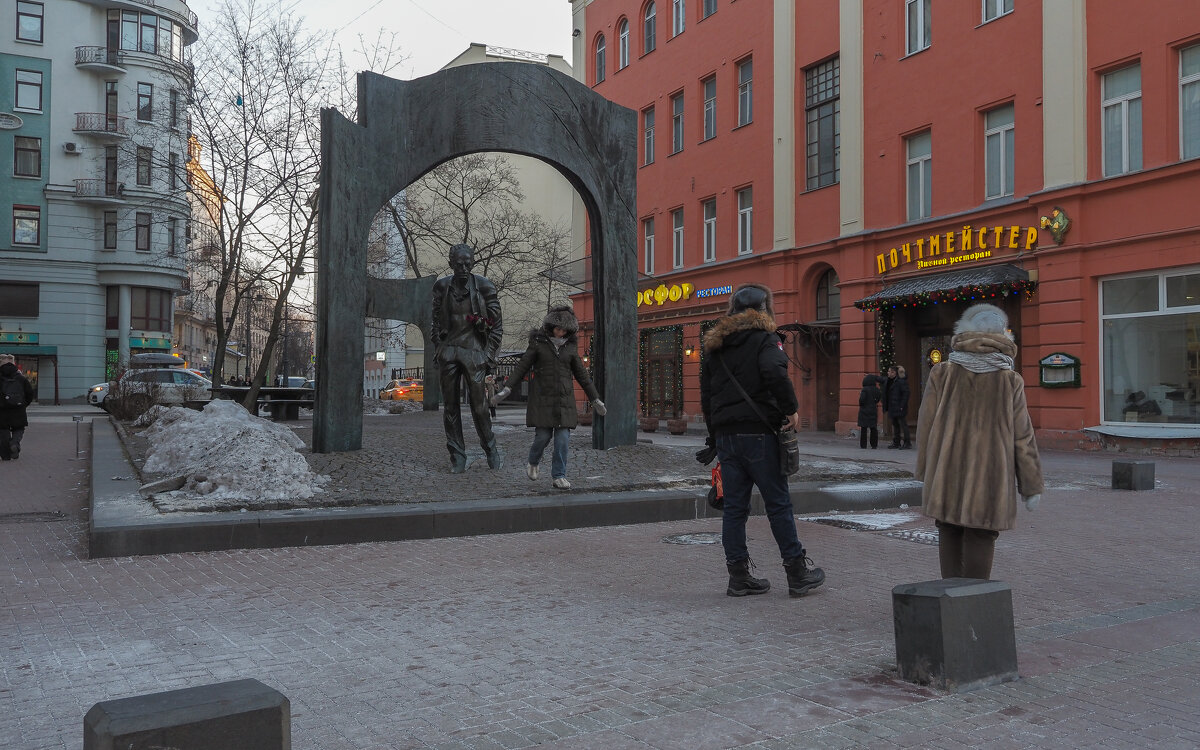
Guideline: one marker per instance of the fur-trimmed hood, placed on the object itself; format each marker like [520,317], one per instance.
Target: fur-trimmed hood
[560,316]
[750,320]
[983,343]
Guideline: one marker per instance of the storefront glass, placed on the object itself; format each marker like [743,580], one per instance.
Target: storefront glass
[1151,348]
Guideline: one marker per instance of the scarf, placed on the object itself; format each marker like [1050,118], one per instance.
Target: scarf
[982,361]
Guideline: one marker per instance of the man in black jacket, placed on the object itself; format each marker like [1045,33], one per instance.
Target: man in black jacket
[743,348]
[895,403]
[16,393]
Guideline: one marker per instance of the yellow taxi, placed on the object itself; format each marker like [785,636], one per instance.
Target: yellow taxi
[410,389]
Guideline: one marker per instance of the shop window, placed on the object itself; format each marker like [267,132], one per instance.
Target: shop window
[919,178]
[918,18]
[829,297]
[822,116]
[1189,102]
[1151,348]
[1121,120]
[19,300]
[999,139]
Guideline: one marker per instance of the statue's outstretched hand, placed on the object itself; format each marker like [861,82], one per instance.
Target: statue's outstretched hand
[501,395]
[599,408]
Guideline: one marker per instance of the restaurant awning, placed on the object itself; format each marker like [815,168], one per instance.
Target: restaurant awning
[954,286]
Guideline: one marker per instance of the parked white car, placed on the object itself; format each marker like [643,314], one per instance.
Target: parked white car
[160,385]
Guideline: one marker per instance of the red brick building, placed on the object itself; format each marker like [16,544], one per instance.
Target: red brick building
[883,163]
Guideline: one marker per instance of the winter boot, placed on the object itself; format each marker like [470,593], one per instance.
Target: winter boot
[801,577]
[741,583]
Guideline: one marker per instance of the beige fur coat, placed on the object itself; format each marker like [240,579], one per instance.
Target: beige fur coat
[975,443]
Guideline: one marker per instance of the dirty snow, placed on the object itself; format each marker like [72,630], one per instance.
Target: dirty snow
[871,520]
[223,452]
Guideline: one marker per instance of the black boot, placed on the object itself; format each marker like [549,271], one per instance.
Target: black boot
[802,578]
[741,583]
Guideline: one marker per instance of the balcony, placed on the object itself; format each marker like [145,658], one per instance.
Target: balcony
[100,192]
[99,59]
[101,125]
[176,9]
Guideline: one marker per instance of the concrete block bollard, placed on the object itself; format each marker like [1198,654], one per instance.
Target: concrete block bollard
[955,633]
[237,715]
[1132,475]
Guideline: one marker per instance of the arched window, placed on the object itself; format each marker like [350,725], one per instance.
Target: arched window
[600,49]
[829,297]
[649,27]
[623,44]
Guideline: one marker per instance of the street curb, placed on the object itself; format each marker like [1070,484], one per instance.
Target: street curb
[114,532]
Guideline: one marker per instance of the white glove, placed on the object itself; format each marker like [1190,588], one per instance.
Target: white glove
[1031,501]
[599,408]
[501,395]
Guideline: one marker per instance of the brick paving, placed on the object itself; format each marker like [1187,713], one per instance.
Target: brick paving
[606,638]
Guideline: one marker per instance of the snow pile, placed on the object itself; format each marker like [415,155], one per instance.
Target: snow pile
[225,452]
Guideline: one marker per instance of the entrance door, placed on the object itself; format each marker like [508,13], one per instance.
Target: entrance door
[827,379]
[662,389]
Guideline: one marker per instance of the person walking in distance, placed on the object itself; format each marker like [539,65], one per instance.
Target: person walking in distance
[975,444]
[868,411]
[895,403]
[743,353]
[16,394]
[553,357]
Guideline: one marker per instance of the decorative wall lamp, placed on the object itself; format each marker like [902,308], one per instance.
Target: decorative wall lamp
[687,350]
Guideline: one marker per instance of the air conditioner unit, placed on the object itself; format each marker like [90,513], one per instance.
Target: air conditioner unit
[71,147]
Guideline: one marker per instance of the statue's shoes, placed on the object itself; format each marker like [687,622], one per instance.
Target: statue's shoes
[494,459]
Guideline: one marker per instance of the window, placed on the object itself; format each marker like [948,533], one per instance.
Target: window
[649,29]
[172,233]
[920,176]
[145,102]
[164,36]
[996,8]
[823,123]
[677,237]
[27,225]
[708,8]
[710,107]
[27,156]
[648,136]
[623,44]
[144,156]
[19,300]
[149,309]
[1150,333]
[648,243]
[919,20]
[173,115]
[745,201]
[745,77]
[678,12]
[600,51]
[29,90]
[829,297]
[129,30]
[1122,120]
[29,21]
[172,171]
[149,33]
[999,152]
[710,229]
[142,232]
[1189,102]
[676,123]
[110,230]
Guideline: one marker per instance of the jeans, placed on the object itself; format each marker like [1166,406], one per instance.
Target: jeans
[748,461]
[541,438]
[900,427]
[10,441]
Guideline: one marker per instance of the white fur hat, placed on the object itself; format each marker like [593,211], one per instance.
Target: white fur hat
[982,318]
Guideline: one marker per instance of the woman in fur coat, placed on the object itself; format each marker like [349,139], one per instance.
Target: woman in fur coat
[553,356]
[975,444]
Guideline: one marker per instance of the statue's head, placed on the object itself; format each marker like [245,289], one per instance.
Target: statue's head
[462,257]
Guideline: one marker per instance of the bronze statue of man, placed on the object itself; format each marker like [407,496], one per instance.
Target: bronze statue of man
[466,335]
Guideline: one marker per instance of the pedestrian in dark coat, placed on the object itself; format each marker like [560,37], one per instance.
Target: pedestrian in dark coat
[13,419]
[553,357]
[743,349]
[868,411]
[895,403]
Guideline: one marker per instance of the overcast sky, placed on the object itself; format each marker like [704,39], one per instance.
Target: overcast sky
[430,33]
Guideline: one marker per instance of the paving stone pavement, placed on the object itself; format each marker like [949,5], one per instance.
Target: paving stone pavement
[606,638]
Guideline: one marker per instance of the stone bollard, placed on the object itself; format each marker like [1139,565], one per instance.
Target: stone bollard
[955,633]
[237,715]
[1132,475]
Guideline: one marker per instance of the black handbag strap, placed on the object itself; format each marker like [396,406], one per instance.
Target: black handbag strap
[745,395]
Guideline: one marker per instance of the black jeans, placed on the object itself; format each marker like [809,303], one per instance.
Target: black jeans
[10,441]
[900,425]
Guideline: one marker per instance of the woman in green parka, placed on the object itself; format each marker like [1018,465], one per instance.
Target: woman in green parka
[553,357]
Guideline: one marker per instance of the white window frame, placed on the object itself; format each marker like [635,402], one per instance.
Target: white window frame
[709,212]
[745,78]
[648,136]
[1002,135]
[745,199]
[1189,85]
[677,123]
[623,44]
[918,25]
[26,82]
[27,9]
[600,58]
[919,167]
[649,28]
[677,238]
[648,244]
[678,17]
[1122,102]
[993,9]
[707,8]
[709,87]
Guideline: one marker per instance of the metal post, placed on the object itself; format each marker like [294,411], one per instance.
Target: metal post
[77,419]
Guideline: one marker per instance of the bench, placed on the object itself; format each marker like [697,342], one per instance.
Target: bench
[283,403]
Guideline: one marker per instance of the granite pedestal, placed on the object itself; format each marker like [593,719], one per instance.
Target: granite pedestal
[1132,475]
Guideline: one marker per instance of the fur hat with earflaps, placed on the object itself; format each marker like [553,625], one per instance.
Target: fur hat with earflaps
[7,358]
[561,316]
[752,297]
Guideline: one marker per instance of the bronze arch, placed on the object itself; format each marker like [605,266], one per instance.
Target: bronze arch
[405,129]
